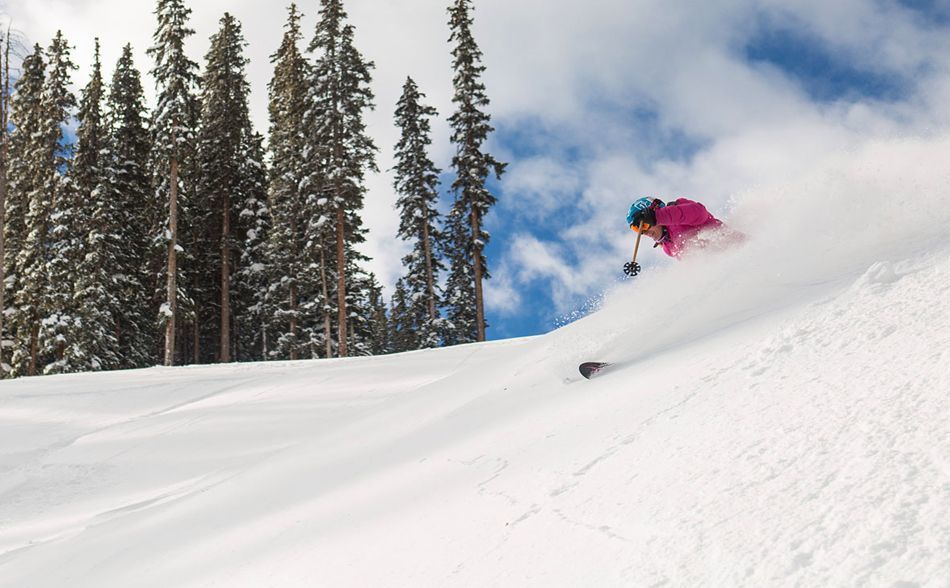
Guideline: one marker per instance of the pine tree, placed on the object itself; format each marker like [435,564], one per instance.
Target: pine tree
[136,212]
[64,248]
[97,287]
[200,310]
[341,150]
[461,318]
[173,126]
[379,328]
[5,79]
[292,281]
[402,335]
[50,251]
[224,141]
[416,182]
[368,325]
[24,222]
[470,128]
[251,281]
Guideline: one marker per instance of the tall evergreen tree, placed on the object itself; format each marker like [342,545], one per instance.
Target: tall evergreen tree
[340,148]
[470,128]
[378,321]
[24,221]
[97,287]
[136,212]
[461,316]
[402,336]
[58,272]
[292,280]
[91,136]
[368,325]
[224,142]
[173,125]
[251,281]
[5,51]
[416,182]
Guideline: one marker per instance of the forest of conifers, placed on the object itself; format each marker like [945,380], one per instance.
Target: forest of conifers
[176,233]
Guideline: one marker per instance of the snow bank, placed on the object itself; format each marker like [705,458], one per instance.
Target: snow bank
[778,415]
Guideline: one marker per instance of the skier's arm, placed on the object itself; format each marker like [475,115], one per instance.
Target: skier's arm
[684,212]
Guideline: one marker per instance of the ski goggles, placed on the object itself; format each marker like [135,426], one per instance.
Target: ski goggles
[636,229]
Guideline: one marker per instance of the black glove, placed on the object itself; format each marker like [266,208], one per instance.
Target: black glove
[646,216]
[631,268]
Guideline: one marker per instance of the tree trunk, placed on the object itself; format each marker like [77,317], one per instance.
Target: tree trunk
[293,320]
[341,281]
[3,222]
[34,346]
[225,354]
[117,333]
[294,351]
[477,252]
[236,350]
[430,280]
[172,282]
[263,340]
[326,302]
[4,153]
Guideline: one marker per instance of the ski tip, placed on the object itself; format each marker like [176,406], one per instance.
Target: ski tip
[590,368]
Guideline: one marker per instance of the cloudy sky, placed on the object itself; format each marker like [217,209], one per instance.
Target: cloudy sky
[596,103]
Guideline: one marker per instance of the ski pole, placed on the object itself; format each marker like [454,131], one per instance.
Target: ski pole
[637,246]
[633,268]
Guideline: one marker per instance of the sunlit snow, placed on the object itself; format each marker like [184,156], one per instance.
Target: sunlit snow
[775,415]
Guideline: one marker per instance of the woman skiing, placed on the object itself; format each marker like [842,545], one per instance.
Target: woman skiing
[679,226]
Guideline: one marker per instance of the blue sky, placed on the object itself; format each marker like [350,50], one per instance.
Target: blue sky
[595,104]
[823,74]
[821,71]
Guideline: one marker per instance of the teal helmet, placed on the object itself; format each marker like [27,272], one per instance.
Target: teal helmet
[643,204]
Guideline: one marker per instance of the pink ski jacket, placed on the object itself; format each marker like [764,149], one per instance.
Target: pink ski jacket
[688,225]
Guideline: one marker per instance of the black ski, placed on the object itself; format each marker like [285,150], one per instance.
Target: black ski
[589,369]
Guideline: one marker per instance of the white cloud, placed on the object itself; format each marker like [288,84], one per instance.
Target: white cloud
[542,185]
[504,297]
[532,262]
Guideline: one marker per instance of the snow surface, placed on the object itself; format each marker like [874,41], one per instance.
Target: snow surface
[777,415]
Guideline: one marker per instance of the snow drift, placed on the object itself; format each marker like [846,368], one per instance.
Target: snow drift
[779,415]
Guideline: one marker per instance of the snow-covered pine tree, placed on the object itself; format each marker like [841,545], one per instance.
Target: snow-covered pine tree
[461,319]
[470,128]
[199,312]
[5,51]
[136,212]
[340,147]
[379,341]
[94,344]
[292,281]
[416,182]
[55,273]
[402,337]
[173,124]
[28,160]
[368,325]
[224,141]
[251,280]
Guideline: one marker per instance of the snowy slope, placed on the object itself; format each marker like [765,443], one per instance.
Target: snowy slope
[779,414]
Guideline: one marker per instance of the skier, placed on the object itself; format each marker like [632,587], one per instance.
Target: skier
[678,226]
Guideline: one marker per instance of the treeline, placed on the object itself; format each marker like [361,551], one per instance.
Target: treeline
[178,235]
